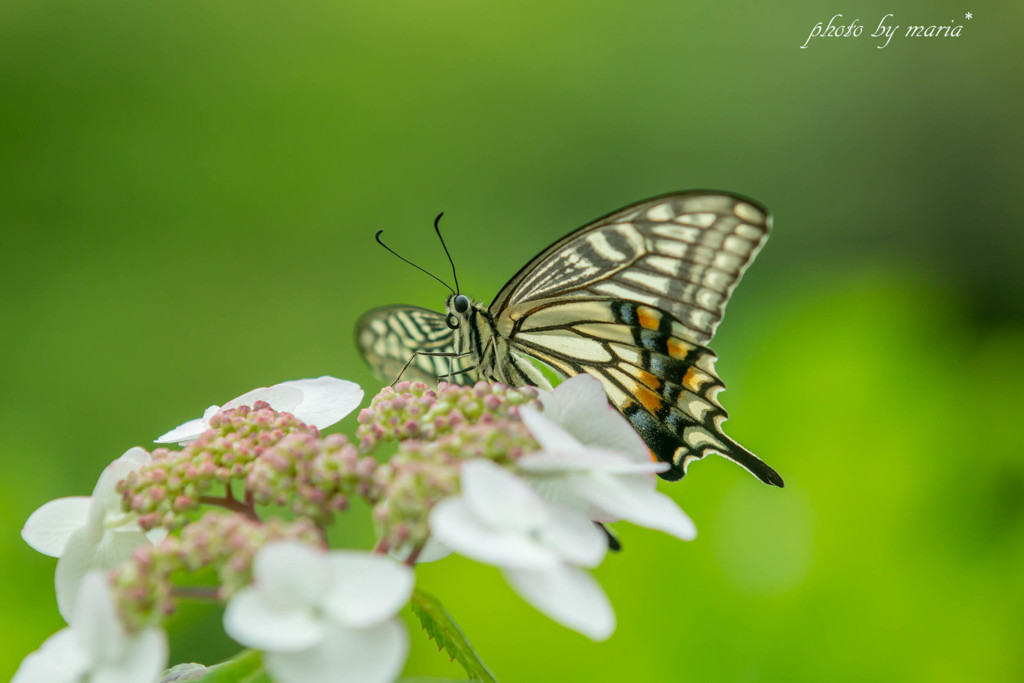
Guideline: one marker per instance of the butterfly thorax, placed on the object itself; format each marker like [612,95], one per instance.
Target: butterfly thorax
[482,346]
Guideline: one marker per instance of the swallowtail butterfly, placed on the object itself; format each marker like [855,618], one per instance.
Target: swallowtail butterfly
[631,299]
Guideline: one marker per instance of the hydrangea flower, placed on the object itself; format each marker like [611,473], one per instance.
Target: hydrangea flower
[323,617]
[96,646]
[89,532]
[319,402]
[500,520]
[591,459]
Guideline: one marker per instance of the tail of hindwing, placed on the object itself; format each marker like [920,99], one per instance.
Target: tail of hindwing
[680,417]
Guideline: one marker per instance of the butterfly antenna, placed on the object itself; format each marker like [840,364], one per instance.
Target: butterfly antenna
[437,229]
[381,243]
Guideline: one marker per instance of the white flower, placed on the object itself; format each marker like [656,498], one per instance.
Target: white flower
[95,647]
[498,519]
[319,402]
[580,406]
[323,617]
[89,532]
[591,459]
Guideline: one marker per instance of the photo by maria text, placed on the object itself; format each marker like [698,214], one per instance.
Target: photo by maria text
[837,27]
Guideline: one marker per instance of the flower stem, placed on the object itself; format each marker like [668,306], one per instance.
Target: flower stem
[229,502]
[414,555]
[196,592]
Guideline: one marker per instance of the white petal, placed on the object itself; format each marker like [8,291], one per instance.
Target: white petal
[325,400]
[548,433]
[318,402]
[254,622]
[574,537]
[106,502]
[584,393]
[76,560]
[95,622]
[48,528]
[136,457]
[568,595]
[81,554]
[552,472]
[374,655]
[581,407]
[117,546]
[454,524]
[555,489]
[499,498]
[58,660]
[366,589]
[156,535]
[280,398]
[611,431]
[144,660]
[185,432]
[290,574]
[629,498]
[591,459]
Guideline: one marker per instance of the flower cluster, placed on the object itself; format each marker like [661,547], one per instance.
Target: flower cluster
[227,542]
[412,411]
[313,477]
[516,478]
[165,491]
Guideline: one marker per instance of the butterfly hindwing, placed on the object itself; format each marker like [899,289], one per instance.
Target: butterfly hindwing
[388,338]
[665,385]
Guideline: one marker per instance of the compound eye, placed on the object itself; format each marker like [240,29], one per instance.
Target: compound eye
[452,321]
[461,303]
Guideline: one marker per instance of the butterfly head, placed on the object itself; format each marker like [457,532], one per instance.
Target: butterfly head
[458,306]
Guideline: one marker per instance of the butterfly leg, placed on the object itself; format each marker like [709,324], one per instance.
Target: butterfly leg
[450,355]
[613,541]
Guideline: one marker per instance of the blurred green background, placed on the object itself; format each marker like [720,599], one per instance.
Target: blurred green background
[188,195]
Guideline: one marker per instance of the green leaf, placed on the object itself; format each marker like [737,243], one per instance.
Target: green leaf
[443,630]
[245,668]
[183,672]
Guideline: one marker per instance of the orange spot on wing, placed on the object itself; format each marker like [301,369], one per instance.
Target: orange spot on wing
[649,379]
[693,379]
[649,318]
[678,349]
[648,399]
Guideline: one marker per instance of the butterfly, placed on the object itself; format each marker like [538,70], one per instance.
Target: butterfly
[631,299]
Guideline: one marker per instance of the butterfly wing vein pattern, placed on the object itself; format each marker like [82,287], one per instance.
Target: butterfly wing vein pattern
[390,336]
[631,299]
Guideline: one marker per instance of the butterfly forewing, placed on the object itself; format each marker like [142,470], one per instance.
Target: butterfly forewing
[681,253]
[389,337]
